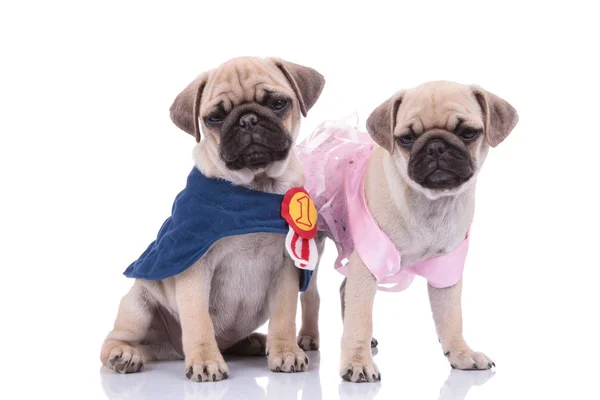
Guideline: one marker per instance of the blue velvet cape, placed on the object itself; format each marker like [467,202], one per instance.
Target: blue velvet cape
[204,212]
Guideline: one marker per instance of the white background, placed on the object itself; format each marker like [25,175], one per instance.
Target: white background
[90,163]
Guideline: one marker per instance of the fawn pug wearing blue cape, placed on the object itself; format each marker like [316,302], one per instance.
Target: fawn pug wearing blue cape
[218,268]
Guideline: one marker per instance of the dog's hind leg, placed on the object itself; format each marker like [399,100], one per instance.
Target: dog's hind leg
[308,337]
[163,340]
[120,350]
[253,345]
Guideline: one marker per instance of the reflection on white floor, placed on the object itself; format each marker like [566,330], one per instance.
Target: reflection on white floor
[251,380]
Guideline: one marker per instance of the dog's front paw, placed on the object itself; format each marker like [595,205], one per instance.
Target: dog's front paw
[286,357]
[125,359]
[360,369]
[208,367]
[467,359]
[308,342]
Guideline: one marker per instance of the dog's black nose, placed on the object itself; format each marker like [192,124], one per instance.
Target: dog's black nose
[248,120]
[436,148]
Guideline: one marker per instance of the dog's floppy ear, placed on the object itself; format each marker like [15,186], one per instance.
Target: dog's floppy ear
[382,121]
[186,107]
[499,117]
[306,83]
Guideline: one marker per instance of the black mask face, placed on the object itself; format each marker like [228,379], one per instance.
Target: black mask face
[253,135]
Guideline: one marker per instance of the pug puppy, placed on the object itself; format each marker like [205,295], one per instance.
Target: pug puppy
[249,110]
[419,184]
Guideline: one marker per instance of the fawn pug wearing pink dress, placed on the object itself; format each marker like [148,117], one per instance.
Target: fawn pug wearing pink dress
[399,204]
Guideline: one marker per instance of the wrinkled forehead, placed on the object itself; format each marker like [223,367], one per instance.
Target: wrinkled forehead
[438,106]
[243,80]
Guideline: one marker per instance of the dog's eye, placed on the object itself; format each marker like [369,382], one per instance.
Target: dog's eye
[215,117]
[278,104]
[406,140]
[468,134]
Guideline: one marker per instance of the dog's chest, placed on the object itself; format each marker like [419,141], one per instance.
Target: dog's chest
[252,255]
[424,241]
[246,268]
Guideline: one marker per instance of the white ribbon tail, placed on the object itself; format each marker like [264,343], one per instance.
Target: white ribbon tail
[303,251]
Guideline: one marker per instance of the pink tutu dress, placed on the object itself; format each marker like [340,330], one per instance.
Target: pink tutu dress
[334,159]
